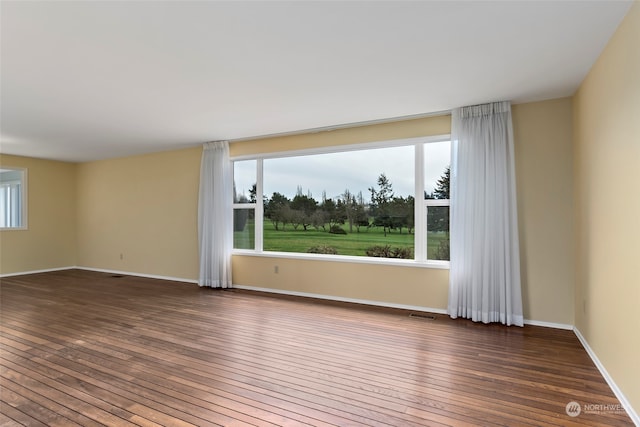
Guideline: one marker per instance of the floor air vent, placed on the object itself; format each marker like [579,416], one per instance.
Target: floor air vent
[425,316]
[117,276]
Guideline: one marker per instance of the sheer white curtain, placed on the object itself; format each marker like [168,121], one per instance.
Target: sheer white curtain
[215,215]
[484,278]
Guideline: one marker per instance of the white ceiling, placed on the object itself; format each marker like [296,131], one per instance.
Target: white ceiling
[91,80]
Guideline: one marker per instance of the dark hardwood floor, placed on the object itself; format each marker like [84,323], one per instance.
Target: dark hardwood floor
[86,348]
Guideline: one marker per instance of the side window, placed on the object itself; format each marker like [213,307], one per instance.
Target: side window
[13,196]
[437,160]
[244,204]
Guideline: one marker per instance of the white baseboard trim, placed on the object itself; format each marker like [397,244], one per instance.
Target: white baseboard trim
[614,387]
[46,270]
[342,299]
[548,324]
[129,273]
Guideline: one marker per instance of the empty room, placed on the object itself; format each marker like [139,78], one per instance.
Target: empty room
[325,213]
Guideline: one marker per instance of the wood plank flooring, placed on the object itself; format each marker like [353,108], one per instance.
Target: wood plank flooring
[85,348]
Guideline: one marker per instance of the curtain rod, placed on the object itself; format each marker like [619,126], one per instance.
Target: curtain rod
[343,126]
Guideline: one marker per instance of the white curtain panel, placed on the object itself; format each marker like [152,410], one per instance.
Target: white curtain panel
[215,216]
[484,277]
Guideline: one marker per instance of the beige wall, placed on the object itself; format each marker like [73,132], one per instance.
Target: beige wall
[543,152]
[408,286]
[436,125]
[607,178]
[50,240]
[143,207]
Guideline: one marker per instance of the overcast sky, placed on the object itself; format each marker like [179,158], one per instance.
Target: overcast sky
[354,170]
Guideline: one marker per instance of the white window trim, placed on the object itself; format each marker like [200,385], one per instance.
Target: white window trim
[437,202]
[419,226]
[432,263]
[420,209]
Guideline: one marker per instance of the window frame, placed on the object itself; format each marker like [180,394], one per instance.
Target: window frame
[23,181]
[420,209]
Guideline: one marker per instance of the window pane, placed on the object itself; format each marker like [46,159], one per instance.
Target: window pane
[244,181]
[437,158]
[243,229]
[438,232]
[351,203]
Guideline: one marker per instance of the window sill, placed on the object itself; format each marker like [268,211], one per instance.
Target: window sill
[13,228]
[346,258]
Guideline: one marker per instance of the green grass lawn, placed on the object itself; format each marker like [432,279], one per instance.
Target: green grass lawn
[353,243]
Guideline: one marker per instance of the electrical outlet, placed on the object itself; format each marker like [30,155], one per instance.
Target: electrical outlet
[276,269]
[121,256]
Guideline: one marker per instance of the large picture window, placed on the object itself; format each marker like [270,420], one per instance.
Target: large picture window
[359,201]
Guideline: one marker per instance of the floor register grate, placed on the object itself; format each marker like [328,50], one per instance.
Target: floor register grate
[423,316]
